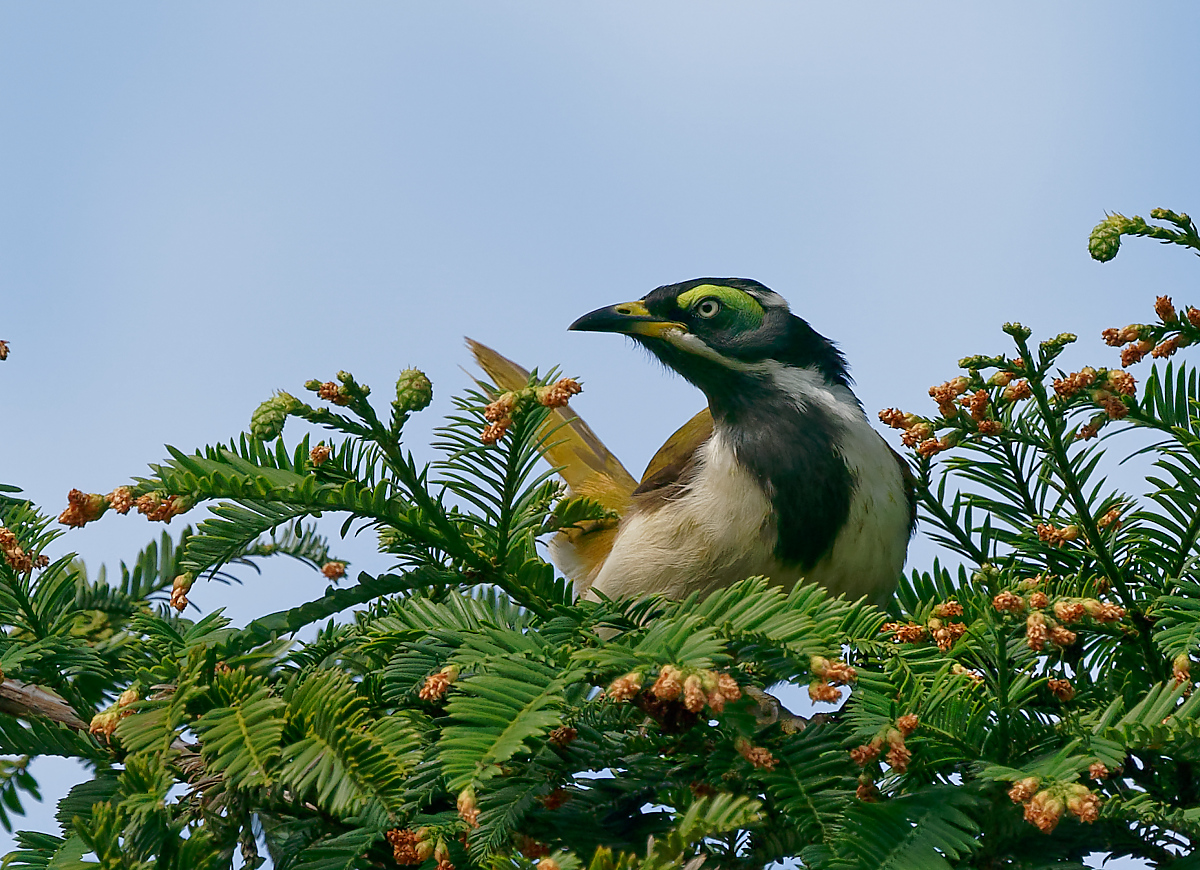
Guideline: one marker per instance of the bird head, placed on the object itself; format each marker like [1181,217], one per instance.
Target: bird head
[722,334]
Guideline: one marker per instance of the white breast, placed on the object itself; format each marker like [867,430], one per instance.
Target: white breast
[719,529]
[715,532]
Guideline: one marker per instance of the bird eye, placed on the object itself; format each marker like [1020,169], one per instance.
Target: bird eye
[707,308]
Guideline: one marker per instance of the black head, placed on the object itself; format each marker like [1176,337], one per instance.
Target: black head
[719,331]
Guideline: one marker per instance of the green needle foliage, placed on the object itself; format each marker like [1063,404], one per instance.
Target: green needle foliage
[1021,710]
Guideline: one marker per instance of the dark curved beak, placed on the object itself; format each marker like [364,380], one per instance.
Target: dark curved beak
[627,318]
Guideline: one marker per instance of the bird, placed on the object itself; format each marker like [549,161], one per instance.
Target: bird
[780,476]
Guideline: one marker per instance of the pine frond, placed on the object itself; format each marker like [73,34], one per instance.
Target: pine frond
[329,753]
[241,740]
[924,831]
[494,714]
[342,852]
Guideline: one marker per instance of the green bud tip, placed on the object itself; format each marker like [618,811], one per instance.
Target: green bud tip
[978,361]
[1018,331]
[414,391]
[1105,240]
[266,423]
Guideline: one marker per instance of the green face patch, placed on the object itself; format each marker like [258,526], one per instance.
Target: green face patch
[745,309]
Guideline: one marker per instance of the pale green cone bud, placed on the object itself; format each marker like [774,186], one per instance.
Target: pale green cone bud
[414,392]
[1017,330]
[1105,240]
[266,423]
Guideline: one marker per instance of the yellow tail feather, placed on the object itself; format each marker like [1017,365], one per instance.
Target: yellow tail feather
[590,469]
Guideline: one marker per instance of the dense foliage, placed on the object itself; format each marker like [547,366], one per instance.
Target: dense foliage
[466,711]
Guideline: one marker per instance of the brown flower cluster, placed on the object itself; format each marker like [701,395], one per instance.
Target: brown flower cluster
[1067,387]
[908,723]
[319,454]
[945,633]
[3,350]
[866,753]
[1069,611]
[408,846]
[835,671]
[1036,631]
[1119,337]
[933,446]
[555,799]
[1023,789]
[1041,629]
[1120,381]
[938,627]
[1054,536]
[945,394]
[161,508]
[867,792]
[1097,770]
[558,394]
[563,735]
[1102,611]
[333,393]
[823,693]
[1008,602]
[468,809]
[625,688]
[696,688]
[499,414]
[1044,808]
[829,675]
[531,848]
[436,685]
[104,723]
[334,570]
[898,754]
[1112,405]
[916,435]
[499,417]
[905,632]
[1135,352]
[758,756]
[82,508]
[977,405]
[1111,517]
[181,586]
[1168,346]
[1018,390]
[15,555]
[1061,689]
[121,499]
[947,609]
[1136,340]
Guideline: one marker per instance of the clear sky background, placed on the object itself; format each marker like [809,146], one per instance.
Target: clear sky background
[201,203]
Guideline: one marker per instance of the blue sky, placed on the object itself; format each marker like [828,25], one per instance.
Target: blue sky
[202,203]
